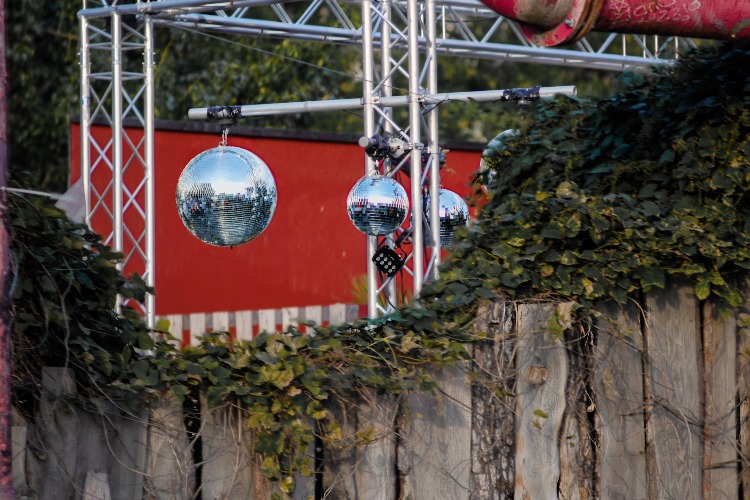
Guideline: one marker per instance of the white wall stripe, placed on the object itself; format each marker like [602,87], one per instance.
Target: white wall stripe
[337,314]
[265,320]
[175,328]
[197,327]
[289,316]
[244,324]
[220,321]
[315,314]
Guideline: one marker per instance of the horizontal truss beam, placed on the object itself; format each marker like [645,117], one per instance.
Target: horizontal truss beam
[250,110]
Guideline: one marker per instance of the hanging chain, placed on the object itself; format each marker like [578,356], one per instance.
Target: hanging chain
[224,135]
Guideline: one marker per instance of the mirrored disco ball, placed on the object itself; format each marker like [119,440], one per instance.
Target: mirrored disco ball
[453,212]
[493,150]
[226,196]
[377,205]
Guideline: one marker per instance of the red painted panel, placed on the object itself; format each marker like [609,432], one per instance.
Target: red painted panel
[309,254]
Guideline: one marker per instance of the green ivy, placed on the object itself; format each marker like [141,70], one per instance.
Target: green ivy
[64,289]
[594,200]
[601,199]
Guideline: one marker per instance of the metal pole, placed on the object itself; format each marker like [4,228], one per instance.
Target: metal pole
[6,440]
[369,129]
[250,110]
[387,91]
[86,119]
[148,63]
[434,145]
[417,236]
[117,131]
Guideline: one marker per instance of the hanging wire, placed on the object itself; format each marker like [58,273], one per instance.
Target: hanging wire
[284,57]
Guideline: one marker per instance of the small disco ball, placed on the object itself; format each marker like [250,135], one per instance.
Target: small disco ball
[226,196]
[453,213]
[493,150]
[377,205]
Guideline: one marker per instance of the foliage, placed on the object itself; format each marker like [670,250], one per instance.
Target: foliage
[594,199]
[42,62]
[65,286]
[64,289]
[601,199]
[284,380]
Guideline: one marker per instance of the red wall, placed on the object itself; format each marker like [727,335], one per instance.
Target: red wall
[309,254]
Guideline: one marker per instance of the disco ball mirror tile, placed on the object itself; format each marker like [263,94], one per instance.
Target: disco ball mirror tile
[453,213]
[377,205]
[226,196]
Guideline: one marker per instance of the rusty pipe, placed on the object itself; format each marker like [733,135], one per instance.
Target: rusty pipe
[556,22]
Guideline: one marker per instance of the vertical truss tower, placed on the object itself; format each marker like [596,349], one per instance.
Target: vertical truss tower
[400,40]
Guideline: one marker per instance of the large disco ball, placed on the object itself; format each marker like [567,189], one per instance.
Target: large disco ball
[226,196]
[377,205]
[453,213]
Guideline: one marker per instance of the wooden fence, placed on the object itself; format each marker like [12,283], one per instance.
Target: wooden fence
[650,401]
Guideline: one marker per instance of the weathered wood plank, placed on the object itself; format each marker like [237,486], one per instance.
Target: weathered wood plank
[435,453]
[127,440]
[493,419]
[674,386]
[571,473]
[720,432]
[577,458]
[227,471]
[619,401]
[353,470]
[170,470]
[96,486]
[542,368]
[375,473]
[743,394]
[53,439]
[19,433]
[339,453]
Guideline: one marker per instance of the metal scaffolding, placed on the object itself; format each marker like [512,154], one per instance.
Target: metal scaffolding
[117,87]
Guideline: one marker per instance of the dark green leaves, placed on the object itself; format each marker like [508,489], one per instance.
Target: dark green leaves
[600,199]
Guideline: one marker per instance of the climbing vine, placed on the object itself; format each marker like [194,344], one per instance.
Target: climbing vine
[600,199]
[593,200]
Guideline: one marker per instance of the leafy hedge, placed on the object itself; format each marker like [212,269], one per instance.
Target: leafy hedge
[593,200]
[63,291]
[601,199]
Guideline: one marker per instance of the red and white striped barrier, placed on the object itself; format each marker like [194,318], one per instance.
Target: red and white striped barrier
[245,325]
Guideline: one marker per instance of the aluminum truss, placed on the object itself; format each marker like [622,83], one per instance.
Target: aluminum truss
[407,35]
[117,87]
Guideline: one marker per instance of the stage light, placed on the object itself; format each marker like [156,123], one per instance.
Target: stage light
[377,205]
[226,196]
[387,261]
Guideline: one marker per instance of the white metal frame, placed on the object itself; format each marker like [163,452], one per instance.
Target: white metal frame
[404,32]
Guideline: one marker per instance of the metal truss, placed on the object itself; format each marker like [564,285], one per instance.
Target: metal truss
[401,41]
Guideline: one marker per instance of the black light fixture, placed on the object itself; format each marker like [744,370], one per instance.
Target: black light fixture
[388,261]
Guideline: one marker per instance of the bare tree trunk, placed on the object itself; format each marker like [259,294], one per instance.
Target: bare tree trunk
[6,455]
